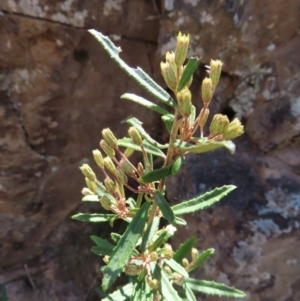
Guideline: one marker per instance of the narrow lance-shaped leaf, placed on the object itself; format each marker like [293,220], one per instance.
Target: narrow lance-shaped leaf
[184,249]
[93,217]
[149,233]
[201,259]
[144,102]
[123,250]
[188,292]
[150,149]
[138,124]
[138,74]
[203,201]
[168,121]
[164,207]
[156,174]
[188,72]
[213,288]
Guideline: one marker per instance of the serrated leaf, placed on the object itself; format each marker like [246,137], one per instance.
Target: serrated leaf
[121,294]
[149,233]
[142,78]
[203,201]
[175,266]
[103,246]
[179,221]
[123,250]
[201,259]
[177,165]
[138,125]
[156,174]
[93,217]
[168,121]
[184,249]
[164,207]
[203,146]
[145,103]
[188,72]
[90,198]
[213,288]
[127,142]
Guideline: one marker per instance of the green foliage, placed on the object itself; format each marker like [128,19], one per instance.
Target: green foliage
[143,252]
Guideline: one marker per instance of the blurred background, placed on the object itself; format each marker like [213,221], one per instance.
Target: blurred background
[58,89]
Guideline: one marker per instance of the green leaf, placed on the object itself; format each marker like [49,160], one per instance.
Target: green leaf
[163,236]
[138,125]
[188,72]
[188,292]
[168,120]
[177,267]
[121,294]
[177,165]
[123,250]
[156,174]
[203,201]
[213,288]
[179,221]
[90,198]
[146,165]
[103,246]
[138,74]
[164,207]
[166,288]
[149,233]
[184,249]
[115,237]
[93,217]
[201,259]
[144,102]
[127,142]
[203,145]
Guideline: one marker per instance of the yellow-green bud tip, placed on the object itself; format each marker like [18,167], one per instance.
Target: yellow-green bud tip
[109,151]
[215,71]
[182,46]
[135,136]
[169,75]
[88,172]
[233,130]
[98,158]
[218,124]
[207,90]
[110,138]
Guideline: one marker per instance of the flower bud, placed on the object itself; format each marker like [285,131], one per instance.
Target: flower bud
[110,138]
[110,185]
[135,136]
[206,90]
[169,75]
[128,152]
[86,191]
[121,176]
[126,167]
[154,256]
[218,124]
[178,278]
[91,184]
[168,254]
[109,151]
[194,254]
[105,202]
[215,71]
[98,158]
[153,283]
[233,130]
[203,117]
[182,46]
[88,172]
[167,270]
[185,262]
[106,259]
[184,98]
[109,165]
[132,270]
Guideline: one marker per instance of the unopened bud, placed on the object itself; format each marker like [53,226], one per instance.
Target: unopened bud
[109,165]
[126,167]
[98,158]
[135,136]
[169,75]
[167,270]
[233,130]
[218,124]
[168,254]
[182,46]
[106,259]
[154,256]
[110,138]
[215,71]
[110,185]
[206,90]
[194,254]
[86,191]
[153,283]
[132,270]
[128,152]
[203,117]
[121,176]
[105,202]
[109,151]
[178,278]
[91,184]
[184,98]
[88,172]
[185,262]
